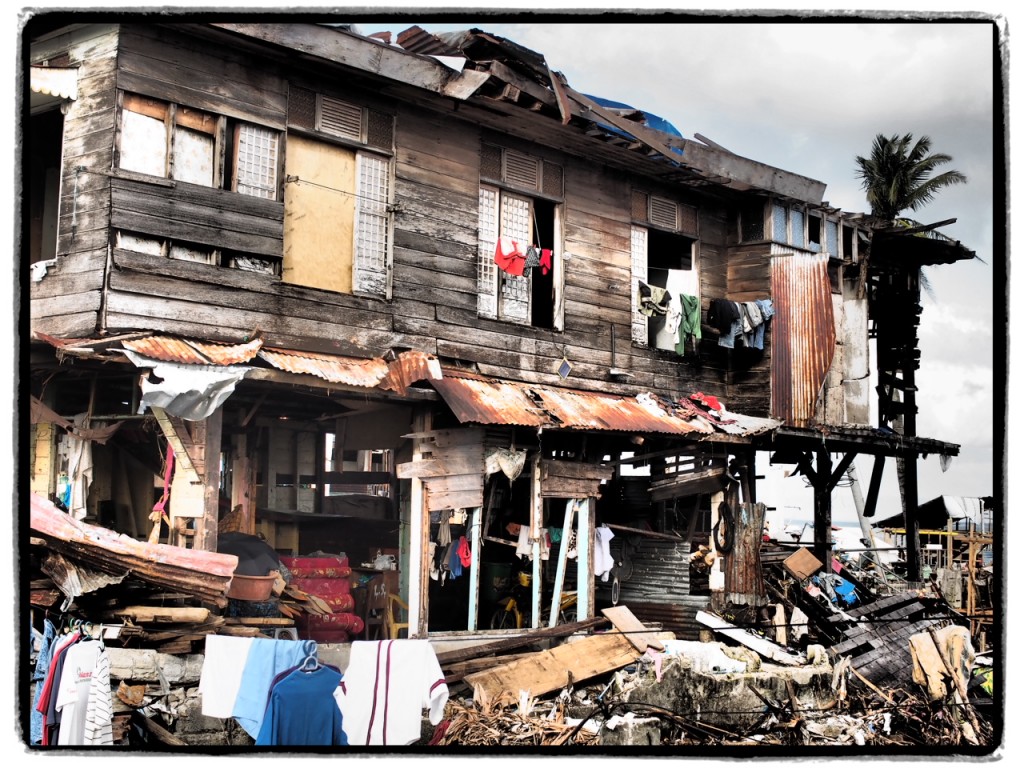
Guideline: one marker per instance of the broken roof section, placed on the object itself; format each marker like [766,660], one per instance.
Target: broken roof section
[205,575]
[482,400]
[397,375]
[500,75]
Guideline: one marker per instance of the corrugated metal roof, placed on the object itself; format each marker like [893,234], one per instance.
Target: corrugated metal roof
[409,367]
[803,335]
[190,352]
[356,372]
[490,401]
[483,400]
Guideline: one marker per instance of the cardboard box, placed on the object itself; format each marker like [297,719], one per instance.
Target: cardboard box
[802,564]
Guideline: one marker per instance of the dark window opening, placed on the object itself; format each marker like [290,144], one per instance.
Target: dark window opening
[45,137]
[835,275]
[814,233]
[848,242]
[752,221]
[542,292]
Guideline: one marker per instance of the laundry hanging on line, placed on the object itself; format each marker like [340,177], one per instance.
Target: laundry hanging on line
[516,258]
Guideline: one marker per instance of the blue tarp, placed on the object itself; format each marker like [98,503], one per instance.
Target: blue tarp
[650,120]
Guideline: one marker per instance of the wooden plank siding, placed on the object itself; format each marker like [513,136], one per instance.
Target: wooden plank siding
[200,215]
[84,206]
[436,180]
[161,62]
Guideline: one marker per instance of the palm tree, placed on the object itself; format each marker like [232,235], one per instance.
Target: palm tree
[898,175]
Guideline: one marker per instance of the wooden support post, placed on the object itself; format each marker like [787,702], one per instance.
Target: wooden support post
[563,550]
[475,517]
[419,537]
[536,523]
[585,559]
[206,526]
[913,524]
[823,509]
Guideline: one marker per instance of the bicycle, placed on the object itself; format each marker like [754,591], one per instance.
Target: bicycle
[509,615]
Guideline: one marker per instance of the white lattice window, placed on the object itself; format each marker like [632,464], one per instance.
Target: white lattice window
[256,161]
[372,225]
[638,264]
[514,296]
[487,270]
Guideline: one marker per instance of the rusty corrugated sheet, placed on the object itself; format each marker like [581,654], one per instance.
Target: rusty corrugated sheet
[409,367]
[490,401]
[585,410]
[418,40]
[803,335]
[354,371]
[190,352]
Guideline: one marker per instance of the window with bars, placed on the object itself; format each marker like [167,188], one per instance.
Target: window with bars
[534,297]
[174,141]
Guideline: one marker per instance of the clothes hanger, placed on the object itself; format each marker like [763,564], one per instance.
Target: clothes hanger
[310,663]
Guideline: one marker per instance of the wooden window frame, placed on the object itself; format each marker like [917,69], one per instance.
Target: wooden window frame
[222,130]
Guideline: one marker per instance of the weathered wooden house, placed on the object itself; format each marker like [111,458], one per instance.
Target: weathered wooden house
[376,297]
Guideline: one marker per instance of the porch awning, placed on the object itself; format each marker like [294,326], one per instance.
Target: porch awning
[482,400]
[49,86]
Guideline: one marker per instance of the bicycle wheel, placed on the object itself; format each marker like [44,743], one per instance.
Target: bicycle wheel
[504,618]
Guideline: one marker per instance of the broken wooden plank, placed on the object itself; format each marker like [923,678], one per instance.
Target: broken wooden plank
[260,621]
[532,636]
[629,625]
[548,671]
[162,734]
[766,648]
[144,614]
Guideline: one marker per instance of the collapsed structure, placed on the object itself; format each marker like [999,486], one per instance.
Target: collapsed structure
[426,300]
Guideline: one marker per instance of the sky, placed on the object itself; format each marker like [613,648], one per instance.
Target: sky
[808,97]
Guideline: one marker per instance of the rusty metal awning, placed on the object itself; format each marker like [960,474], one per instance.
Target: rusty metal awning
[403,370]
[482,400]
[356,372]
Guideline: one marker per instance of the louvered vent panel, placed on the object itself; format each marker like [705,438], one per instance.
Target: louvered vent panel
[639,206]
[490,162]
[664,213]
[521,170]
[688,220]
[380,129]
[341,118]
[302,107]
[552,181]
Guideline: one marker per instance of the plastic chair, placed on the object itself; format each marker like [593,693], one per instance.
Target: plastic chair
[395,604]
[377,607]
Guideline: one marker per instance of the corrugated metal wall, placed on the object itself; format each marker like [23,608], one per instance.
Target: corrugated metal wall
[658,590]
[803,337]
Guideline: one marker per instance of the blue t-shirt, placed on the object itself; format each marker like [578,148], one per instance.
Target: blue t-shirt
[303,711]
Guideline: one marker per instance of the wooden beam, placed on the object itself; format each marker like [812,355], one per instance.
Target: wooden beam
[558,84]
[840,469]
[874,485]
[639,636]
[548,671]
[528,638]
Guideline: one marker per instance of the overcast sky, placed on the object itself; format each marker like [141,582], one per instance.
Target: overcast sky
[808,97]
